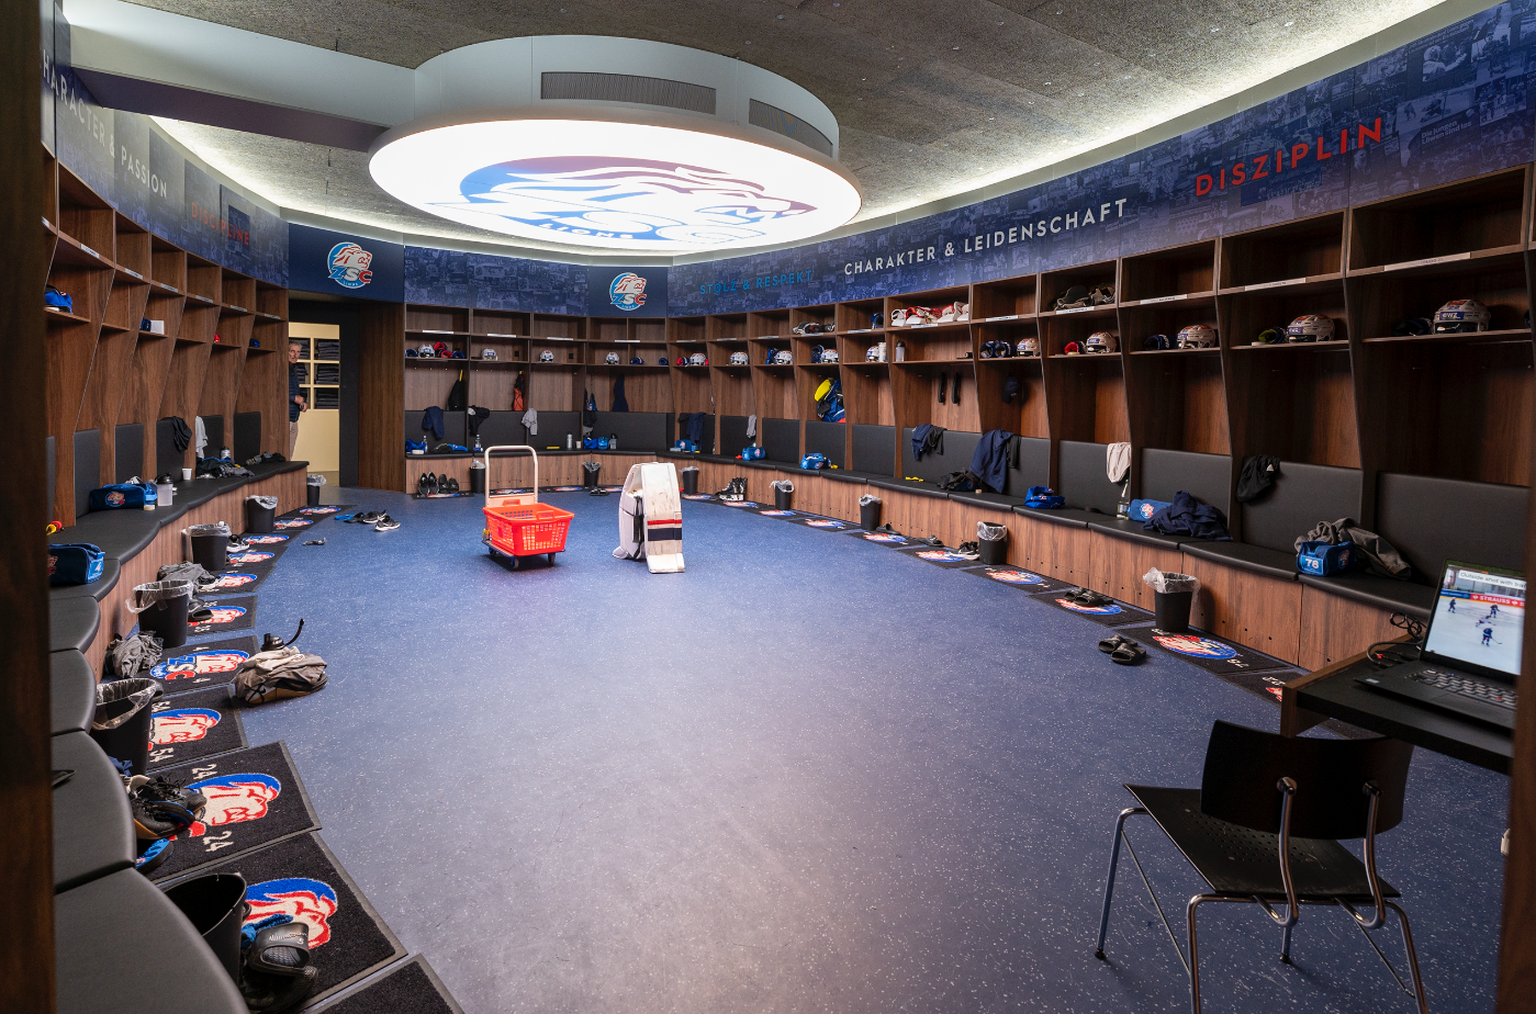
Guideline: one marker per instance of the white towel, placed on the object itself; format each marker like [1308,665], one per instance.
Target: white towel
[1117,461]
[751,426]
[200,438]
[531,421]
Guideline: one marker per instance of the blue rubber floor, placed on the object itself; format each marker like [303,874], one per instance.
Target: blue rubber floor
[810,774]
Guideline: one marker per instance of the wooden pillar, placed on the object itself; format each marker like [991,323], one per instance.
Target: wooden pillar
[1517,948]
[26,798]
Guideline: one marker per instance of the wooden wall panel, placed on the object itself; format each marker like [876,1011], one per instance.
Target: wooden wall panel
[1259,611]
[1118,564]
[1334,628]
[26,837]
[381,396]
[184,389]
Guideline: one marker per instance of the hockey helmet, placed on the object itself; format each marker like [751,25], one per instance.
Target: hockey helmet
[1411,326]
[697,359]
[876,320]
[1270,336]
[1101,341]
[1073,349]
[426,352]
[738,359]
[1156,343]
[829,355]
[546,356]
[781,358]
[410,353]
[1461,315]
[441,350]
[489,354]
[612,359]
[681,361]
[458,353]
[662,361]
[1197,336]
[875,353]
[1029,347]
[637,361]
[1310,327]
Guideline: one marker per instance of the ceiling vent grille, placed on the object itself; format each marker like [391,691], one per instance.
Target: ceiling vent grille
[761,114]
[649,91]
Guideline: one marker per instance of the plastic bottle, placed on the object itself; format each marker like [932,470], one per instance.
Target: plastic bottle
[901,351]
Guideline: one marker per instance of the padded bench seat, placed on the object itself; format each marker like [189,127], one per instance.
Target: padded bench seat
[72,686]
[1074,517]
[917,487]
[1258,559]
[992,501]
[121,945]
[838,475]
[72,623]
[1137,531]
[121,534]
[1382,592]
[92,825]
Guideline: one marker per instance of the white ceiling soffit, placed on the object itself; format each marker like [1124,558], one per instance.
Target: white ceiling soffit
[168,65]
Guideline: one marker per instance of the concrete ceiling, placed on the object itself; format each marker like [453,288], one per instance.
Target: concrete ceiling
[934,98]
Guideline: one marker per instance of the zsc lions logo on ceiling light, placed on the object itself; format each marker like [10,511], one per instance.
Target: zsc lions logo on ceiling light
[349,265]
[627,291]
[633,199]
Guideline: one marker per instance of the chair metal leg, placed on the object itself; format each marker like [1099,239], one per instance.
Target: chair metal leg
[1194,952]
[1413,957]
[1109,885]
[1285,945]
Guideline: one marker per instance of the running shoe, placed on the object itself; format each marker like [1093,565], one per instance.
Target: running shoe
[386,524]
[368,518]
[153,787]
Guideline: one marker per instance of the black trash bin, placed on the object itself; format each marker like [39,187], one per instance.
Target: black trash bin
[589,473]
[210,546]
[783,494]
[991,543]
[261,512]
[121,723]
[476,477]
[1173,611]
[690,477]
[312,496]
[215,905]
[869,513]
[162,607]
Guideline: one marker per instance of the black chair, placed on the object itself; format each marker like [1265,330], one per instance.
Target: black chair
[1264,826]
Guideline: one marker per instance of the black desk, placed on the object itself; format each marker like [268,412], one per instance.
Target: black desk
[1333,693]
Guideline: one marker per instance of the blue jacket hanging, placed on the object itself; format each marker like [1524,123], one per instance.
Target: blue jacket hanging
[927,439]
[995,451]
[620,403]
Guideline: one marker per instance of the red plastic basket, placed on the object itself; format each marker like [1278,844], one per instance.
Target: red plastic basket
[528,530]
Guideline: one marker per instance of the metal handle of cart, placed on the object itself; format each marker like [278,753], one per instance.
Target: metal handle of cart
[514,499]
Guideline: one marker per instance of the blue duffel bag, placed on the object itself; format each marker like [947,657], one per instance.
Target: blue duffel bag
[1321,559]
[74,563]
[123,496]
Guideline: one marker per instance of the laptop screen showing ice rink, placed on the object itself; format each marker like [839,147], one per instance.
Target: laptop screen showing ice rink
[1479,618]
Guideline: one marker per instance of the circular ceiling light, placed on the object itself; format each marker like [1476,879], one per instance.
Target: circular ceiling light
[614,180]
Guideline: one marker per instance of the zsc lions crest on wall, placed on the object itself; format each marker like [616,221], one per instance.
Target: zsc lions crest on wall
[349,265]
[627,291]
[633,199]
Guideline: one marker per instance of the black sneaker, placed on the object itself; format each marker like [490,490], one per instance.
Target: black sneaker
[153,787]
[386,524]
[969,550]
[424,485]
[368,518]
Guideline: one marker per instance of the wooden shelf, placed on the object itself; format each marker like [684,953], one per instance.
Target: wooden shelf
[1176,352]
[1336,345]
[65,317]
[1455,338]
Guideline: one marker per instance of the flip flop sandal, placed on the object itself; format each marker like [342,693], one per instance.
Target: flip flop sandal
[345,517]
[200,615]
[1129,653]
[1109,644]
[933,540]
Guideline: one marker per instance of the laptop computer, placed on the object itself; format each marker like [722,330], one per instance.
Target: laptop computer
[1471,654]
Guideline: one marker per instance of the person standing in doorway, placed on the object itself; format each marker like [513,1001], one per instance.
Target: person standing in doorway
[296,402]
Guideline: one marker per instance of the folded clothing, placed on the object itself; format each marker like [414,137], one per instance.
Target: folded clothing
[1380,556]
[1186,515]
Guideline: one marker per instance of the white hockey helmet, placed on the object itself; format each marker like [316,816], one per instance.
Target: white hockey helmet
[1462,315]
[487,353]
[738,359]
[1310,327]
[697,359]
[829,355]
[1197,336]
[425,352]
[875,353]
[1101,341]
[612,359]
[546,356]
[1029,347]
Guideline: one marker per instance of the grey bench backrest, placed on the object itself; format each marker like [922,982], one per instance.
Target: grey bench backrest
[637,431]
[87,468]
[1082,478]
[247,436]
[128,452]
[781,439]
[827,438]
[733,435]
[1033,468]
[959,449]
[1431,520]
[874,449]
[1302,496]
[1207,477]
